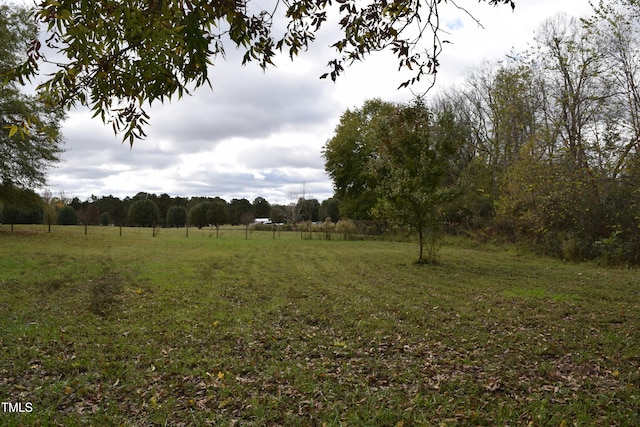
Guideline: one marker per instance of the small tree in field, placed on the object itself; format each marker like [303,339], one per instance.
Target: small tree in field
[198,215]
[143,213]
[177,216]
[413,167]
[218,213]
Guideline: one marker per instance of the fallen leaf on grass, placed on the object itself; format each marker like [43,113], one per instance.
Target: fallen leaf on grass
[493,385]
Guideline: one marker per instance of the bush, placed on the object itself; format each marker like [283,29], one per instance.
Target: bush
[618,249]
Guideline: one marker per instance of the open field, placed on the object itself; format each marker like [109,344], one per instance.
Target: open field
[103,329]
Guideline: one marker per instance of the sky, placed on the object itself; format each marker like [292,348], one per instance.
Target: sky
[261,134]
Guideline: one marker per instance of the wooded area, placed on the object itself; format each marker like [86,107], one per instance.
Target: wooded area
[546,145]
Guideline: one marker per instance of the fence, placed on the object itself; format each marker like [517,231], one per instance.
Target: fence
[256,231]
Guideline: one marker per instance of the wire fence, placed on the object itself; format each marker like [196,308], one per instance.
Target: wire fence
[260,231]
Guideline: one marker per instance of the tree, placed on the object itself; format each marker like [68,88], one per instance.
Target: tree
[28,150]
[112,206]
[308,209]
[177,216]
[330,208]
[218,213]
[20,206]
[237,209]
[577,94]
[348,153]
[164,202]
[612,27]
[413,170]
[119,55]
[404,158]
[67,216]
[261,207]
[89,214]
[278,214]
[198,215]
[143,213]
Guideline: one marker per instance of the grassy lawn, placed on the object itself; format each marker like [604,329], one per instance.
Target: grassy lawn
[103,329]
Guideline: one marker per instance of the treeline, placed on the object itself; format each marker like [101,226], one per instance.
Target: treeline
[547,146]
[147,209]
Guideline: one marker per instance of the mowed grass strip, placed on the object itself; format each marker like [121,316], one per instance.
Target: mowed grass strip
[103,329]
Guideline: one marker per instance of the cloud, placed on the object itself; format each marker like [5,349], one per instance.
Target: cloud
[246,103]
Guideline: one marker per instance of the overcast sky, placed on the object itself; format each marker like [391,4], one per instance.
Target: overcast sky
[261,133]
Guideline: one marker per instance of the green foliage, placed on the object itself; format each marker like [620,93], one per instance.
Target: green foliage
[348,153]
[261,207]
[239,211]
[12,214]
[67,216]
[277,214]
[308,210]
[214,212]
[330,208]
[121,55]
[399,163]
[473,207]
[33,141]
[105,219]
[177,216]
[409,173]
[20,206]
[218,212]
[198,215]
[143,213]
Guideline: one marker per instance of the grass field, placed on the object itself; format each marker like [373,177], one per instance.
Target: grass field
[135,330]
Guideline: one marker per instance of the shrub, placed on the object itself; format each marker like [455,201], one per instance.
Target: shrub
[347,227]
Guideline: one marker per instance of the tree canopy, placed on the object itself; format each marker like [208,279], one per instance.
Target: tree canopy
[547,146]
[114,56]
[347,154]
[398,163]
[144,213]
[25,151]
